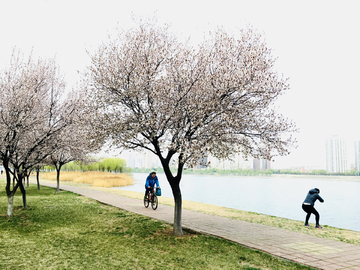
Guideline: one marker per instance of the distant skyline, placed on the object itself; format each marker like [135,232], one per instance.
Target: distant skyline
[317,44]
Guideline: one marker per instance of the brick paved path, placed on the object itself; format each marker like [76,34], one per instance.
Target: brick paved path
[305,249]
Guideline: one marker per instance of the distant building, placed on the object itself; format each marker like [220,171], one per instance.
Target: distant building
[236,162]
[144,159]
[357,155]
[202,163]
[150,160]
[261,164]
[336,155]
[134,160]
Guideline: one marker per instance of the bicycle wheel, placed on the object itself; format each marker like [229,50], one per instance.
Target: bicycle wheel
[154,205]
[146,202]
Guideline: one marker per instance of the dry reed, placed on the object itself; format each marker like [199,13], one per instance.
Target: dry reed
[98,179]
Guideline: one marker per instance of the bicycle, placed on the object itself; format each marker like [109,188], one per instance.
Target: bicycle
[151,195]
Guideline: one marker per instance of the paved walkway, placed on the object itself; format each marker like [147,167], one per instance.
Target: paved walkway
[305,249]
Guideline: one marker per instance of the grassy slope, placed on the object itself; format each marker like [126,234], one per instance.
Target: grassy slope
[348,236]
[66,231]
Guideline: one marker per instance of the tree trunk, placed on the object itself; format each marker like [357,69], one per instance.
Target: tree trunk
[27,180]
[175,187]
[10,205]
[23,192]
[178,208]
[58,179]
[10,194]
[37,178]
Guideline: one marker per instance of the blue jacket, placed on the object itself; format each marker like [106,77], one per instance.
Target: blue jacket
[312,196]
[151,181]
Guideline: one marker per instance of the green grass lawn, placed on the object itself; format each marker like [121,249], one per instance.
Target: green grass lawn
[67,231]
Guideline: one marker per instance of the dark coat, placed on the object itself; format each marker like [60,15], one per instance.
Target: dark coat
[312,196]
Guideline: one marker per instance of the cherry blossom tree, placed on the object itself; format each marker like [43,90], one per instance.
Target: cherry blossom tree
[33,111]
[151,91]
[74,146]
[37,168]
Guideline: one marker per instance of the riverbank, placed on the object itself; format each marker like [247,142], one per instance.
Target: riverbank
[329,232]
[320,177]
[273,196]
[333,233]
[306,249]
[355,178]
[266,173]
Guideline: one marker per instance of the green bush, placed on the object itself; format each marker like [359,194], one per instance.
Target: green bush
[116,165]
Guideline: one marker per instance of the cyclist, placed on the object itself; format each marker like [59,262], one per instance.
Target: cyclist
[151,181]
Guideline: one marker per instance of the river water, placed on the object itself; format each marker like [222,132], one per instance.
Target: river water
[277,196]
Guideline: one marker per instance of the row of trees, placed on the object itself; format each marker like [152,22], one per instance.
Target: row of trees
[145,89]
[209,171]
[39,121]
[116,165]
[248,172]
[317,172]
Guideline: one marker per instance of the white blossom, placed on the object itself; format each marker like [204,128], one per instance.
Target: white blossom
[148,90]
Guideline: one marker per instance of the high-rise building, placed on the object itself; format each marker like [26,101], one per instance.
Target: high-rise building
[336,155]
[150,160]
[261,164]
[357,156]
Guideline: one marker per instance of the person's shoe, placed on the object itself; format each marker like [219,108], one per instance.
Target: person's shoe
[318,227]
[307,225]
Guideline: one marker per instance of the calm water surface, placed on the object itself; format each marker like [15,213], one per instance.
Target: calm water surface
[275,196]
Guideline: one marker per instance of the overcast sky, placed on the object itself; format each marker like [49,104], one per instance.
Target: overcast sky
[317,44]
